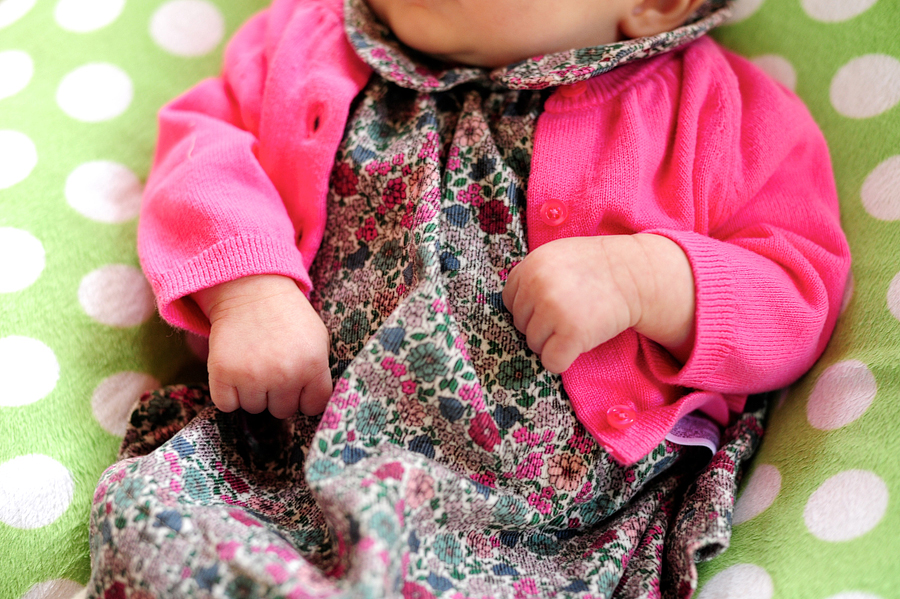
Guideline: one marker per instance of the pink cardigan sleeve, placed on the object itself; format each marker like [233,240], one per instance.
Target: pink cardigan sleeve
[770,271]
[241,169]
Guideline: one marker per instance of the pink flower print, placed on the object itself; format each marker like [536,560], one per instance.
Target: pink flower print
[453,164]
[172,458]
[100,492]
[399,508]
[460,344]
[342,386]
[408,387]
[484,432]
[480,543]
[368,231]
[343,402]
[390,470]
[398,159]
[470,130]
[580,442]
[380,54]
[235,482]
[243,518]
[278,574]
[412,590]
[394,192]
[629,475]
[175,486]
[285,553]
[420,488]
[523,435]
[330,419]
[345,180]
[439,305]
[393,367]
[566,471]
[525,588]
[539,504]
[530,467]
[547,492]
[351,436]
[472,394]
[471,195]
[424,214]
[493,217]
[487,478]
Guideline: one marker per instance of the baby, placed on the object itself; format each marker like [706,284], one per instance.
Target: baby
[414,214]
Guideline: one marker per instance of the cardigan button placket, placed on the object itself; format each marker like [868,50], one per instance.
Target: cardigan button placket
[554,213]
[621,416]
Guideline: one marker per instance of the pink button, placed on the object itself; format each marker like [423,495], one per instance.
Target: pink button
[576,89]
[620,416]
[554,213]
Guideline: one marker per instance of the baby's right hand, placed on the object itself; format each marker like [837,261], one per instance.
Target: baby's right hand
[268,348]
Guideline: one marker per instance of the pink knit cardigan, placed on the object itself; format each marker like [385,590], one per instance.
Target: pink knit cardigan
[697,145]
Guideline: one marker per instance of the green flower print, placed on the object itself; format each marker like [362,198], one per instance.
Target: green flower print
[427,361]
[355,327]
[371,418]
[516,373]
[447,548]
[386,258]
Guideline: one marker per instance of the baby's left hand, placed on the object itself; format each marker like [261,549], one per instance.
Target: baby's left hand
[570,295]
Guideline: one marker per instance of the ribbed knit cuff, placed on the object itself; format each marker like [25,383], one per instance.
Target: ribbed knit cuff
[231,259]
[715,313]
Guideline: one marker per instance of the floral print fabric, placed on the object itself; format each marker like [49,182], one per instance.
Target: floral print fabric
[448,462]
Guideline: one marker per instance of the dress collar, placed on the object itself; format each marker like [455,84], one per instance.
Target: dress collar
[377,47]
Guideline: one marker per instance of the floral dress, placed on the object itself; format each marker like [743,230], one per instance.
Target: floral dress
[448,462]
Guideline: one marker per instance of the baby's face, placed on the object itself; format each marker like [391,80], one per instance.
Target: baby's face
[492,33]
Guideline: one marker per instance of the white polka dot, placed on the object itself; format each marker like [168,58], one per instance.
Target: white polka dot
[36,490]
[854,595]
[832,11]
[841,395]
[779,68]
[114,397]
[116,295]
[18,157]
[82,16]
[740,581]
[880,192]
[60,588]
[29,371]
[16,69]
[893,296]
[95,92]
[187,27]
[846,506]
[104,191]
[21,259]
[848,292]
[13,10]
[761,490]
[744,9]
[866,86]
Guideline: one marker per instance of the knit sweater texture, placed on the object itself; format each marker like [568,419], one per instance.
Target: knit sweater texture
[697,145]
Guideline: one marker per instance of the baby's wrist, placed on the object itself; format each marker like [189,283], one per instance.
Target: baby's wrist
[242,291]
[666,293]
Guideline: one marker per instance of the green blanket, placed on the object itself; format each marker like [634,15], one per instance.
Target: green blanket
[80,81]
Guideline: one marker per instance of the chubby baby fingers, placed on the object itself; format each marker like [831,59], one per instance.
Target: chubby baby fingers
[559,352]
[316,393]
